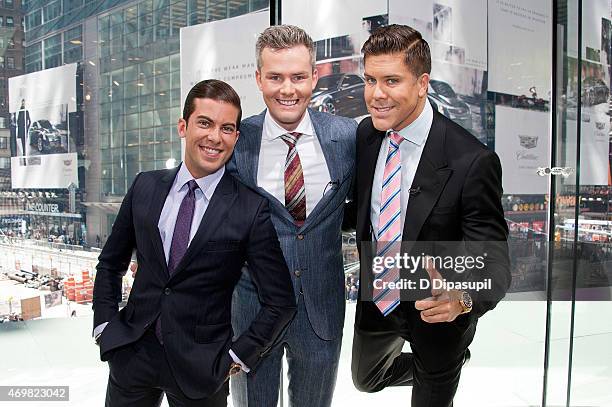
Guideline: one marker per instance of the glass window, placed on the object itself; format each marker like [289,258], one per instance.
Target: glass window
[53,51]
[217,11]
[10,62]
[70,5]
[1,21]
[2,62]
[52,10]
[73,45]
[33,57]
[10,22]
[34,19]
[116,17]
[3,142]
[9,3]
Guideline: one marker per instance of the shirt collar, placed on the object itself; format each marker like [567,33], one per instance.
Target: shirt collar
[207,184]
[417,131]
[272,130]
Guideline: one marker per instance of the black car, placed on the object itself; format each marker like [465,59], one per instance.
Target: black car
[46,138]
[340,94]
[594,91]
[444,99]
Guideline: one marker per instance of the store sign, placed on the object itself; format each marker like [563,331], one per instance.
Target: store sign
[43,207]
[10,221]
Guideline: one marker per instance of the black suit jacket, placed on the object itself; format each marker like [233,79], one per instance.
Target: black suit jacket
[195,303]
[455,196]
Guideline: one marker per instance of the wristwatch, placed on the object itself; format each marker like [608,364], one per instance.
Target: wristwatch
[234,369]
[466,302]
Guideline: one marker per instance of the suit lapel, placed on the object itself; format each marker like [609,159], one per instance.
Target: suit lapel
[220,203]
[246,153]
[158,199]
[246,156]
[367,166]
[331,152]
[431,176]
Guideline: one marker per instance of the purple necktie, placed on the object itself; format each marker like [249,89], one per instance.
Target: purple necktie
[180,238]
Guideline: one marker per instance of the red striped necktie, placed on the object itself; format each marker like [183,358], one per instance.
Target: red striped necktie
[295,194]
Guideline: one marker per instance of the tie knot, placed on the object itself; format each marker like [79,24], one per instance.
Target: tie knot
[395,137]
[291,138]
[192,185]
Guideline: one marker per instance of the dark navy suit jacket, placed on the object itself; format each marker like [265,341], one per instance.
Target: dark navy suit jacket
[195,302]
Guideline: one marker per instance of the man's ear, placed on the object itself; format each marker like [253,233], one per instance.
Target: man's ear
[315,78]
[258,78]
[423,85]
[181,126]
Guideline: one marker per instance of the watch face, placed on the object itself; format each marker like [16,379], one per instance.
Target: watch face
[234,369]
[467,300]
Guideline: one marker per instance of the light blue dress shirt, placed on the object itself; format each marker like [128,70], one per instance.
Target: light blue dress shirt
[179,189]
[411,149]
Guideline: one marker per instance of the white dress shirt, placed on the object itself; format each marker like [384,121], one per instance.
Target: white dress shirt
[415,136]
[273,154]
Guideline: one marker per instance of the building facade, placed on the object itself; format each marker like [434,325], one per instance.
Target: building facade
[128,54]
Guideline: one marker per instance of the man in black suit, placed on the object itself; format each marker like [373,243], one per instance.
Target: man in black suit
[193,228]
[421,180]
[23,125]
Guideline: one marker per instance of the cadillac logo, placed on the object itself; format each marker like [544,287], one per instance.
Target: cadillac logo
[67,162]
[528,142]
[600,125]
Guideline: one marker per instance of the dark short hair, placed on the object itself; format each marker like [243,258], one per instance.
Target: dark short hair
[212,89]
[397,38]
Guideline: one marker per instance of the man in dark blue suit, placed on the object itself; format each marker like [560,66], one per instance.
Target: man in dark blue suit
[302,161]
[193,228]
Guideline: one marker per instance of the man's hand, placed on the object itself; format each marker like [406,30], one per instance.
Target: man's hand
[133,268]
[442,306]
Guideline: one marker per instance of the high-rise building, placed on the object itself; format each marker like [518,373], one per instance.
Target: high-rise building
[129,85]
[11,64]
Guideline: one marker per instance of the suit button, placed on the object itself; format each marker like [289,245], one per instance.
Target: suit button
[167,291]
[297,273]
[300,237]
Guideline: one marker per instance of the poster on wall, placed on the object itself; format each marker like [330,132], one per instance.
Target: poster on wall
[594,120]
[595,30]
[39,105]
[521,142]
[515,68]
[338,42]
[457,36]
[594,145]
[224,50]
[455,30]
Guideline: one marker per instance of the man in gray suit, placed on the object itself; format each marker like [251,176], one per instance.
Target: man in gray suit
[302,161]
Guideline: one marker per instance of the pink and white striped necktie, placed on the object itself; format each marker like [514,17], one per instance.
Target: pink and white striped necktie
[389,226]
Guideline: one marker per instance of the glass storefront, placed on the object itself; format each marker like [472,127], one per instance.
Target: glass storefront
[529,79]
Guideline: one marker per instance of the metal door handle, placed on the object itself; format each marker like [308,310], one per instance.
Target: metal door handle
[563,171]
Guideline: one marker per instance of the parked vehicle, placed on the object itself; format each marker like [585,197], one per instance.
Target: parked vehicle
[46,138]
[594,91]
[340,94]
[445,100]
